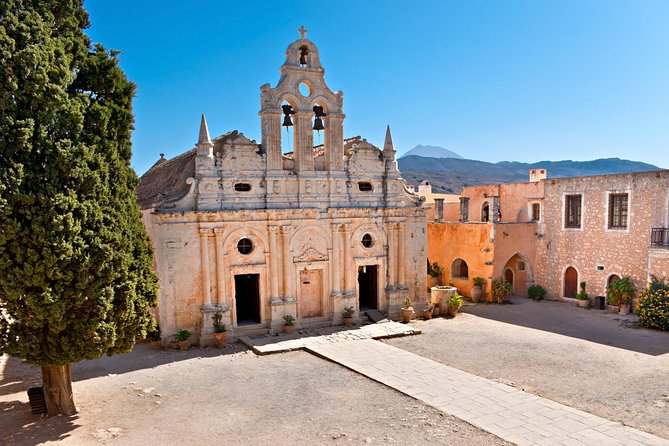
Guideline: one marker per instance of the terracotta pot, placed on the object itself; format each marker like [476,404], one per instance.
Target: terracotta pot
[624,308]
[583,303]
[156,345]
[614,309]
[407,314]
[221,338]
[432,281]
[184,345]
[453,311]
[500,300]
[348,321]
[288,328]
[477,292]
[428,314]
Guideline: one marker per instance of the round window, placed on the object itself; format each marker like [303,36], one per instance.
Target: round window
[367,241]
[245,246]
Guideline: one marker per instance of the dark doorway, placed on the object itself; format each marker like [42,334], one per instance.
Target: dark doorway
[508,276]
[367,286]
[247,295]
[612,278]
[570,282]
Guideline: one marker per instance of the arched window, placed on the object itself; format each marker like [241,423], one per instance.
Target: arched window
[459,269]
[485,211]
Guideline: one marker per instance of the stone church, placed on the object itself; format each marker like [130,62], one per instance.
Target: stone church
[284,227]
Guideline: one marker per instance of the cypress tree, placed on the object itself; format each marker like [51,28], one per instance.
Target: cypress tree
[75,261]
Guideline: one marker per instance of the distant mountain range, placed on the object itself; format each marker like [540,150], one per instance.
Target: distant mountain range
[449,175]
[431,152]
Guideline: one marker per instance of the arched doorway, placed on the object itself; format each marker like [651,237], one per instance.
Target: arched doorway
[508,276]
[570,282]
[485,211]
[612,277]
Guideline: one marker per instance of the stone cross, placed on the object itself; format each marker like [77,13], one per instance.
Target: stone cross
[302,31]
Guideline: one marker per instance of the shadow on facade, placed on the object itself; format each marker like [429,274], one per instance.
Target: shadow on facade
[590,325]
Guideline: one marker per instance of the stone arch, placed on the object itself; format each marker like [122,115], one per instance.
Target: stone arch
[570,280]
[259,240]
[610,278]
[522,270]
[459,269]
[377,233]
[485,211]
[291,98]
[320,241]
[322,101]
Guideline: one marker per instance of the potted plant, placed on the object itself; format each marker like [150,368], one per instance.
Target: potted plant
[434,271]
[182,338]
[288,323]
[477,288]
[220,332]
[347,316]
[582,297]
[407,311]
[429,309]
[156,343]
[454,304]
[501,289]
[536,292]
[621,292]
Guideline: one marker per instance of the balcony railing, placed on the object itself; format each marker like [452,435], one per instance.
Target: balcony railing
[659,237]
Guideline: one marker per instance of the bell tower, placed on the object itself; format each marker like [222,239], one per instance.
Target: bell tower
[302,102]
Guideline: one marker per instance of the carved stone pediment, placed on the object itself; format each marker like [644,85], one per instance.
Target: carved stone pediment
[310,254]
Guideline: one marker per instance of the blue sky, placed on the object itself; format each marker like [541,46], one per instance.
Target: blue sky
[518,80]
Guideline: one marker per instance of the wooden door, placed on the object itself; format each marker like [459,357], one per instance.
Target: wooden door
[570,282]
[311,288]
[508,276]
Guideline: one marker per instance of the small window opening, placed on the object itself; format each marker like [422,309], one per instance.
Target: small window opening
[304,55]
[242,187]
[521,266]
[365,186]
[367,241]
[245,246]
[304,90]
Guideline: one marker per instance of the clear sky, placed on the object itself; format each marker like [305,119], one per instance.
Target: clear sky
[517,80]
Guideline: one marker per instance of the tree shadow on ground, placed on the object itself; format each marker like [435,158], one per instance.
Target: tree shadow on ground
[33,429]
[588,324]
[143,357]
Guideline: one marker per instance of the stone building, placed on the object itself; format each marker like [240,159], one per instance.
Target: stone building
[557,232]
[257,232]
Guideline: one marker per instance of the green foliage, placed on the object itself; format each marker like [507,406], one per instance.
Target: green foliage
[155,334]
[654,306]
[501,289]
[455,301]
[182,335]
[219,327]
[76,278]
[288,320]
[434,270]
[348,312]
[620,291]
[407,303]
[536,292]
[478,281]
[582,295]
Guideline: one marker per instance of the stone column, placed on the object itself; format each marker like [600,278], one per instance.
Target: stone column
[204,266]
[304,142]
[392,257]
[400,254]
[347,263]
[274,262]
[334,141]
[334,261]
[221,281]
[271,137]
[287,262]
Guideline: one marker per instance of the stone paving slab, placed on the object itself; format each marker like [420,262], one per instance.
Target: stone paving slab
[505,411]
[268,344]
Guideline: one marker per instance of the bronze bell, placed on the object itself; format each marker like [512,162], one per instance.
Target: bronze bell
[318,124]
[287,122]
[303,55]
[287,111]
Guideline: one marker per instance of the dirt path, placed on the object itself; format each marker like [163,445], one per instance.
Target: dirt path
[587,359]
[201,397]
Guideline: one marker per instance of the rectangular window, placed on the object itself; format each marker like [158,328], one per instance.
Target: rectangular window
[572,211]
[618,211]
[464,209]
[536,212]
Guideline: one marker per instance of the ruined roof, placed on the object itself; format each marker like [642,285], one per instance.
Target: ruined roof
[165,178]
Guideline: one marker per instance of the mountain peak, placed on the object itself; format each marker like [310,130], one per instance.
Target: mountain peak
[431,152]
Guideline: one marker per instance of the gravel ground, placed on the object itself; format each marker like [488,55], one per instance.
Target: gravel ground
[210,396]
[594,361]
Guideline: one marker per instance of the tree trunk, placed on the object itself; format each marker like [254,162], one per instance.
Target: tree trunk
[57,382]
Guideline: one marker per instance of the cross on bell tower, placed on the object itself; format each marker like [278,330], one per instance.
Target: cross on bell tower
[303,31]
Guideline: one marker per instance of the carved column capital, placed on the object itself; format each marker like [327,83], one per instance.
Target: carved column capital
[287,229]
[218,232]
[204,232]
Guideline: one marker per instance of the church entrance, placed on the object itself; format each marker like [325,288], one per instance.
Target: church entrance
[311,287]
[367,287]
[247,297]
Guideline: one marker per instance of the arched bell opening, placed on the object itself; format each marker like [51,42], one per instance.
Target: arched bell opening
[288,140]
[319,129]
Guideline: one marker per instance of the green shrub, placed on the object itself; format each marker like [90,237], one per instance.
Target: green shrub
[536,292]
[478,281]
[434,270]
[582,295]
[455,301]
[620,291]
[654,307]
[501,289]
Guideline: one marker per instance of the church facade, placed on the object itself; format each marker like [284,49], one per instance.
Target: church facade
[258,233]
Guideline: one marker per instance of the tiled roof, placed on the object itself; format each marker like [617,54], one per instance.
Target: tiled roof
[166,178]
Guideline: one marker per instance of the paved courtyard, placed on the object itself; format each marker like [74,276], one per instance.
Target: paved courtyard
[526,373]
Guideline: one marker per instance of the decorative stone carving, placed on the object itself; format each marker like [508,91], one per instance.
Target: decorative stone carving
[310,254]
